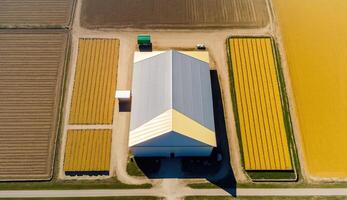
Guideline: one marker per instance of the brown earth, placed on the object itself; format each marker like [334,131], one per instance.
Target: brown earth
[31,78]
[174,13]
[35,13]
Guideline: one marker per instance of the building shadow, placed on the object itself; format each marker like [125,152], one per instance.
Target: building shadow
[124,106]
[216,168]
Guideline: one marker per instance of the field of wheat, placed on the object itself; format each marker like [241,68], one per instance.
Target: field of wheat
[314,35]
[88,150]
[258,104]
[95,82]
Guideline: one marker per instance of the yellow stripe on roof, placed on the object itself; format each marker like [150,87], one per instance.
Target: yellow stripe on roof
[192,129]
[200,55]
[172,120]
[259,105]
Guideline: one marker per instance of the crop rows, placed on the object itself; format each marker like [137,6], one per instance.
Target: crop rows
[31,77]
[35,13]
[88,150]
[259,105]
[95,82]
[174,13]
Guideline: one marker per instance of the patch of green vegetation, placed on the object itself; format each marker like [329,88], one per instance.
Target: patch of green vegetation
[207,198]
[143,166]
[227,181]
[133,169]
[262,198]
[292,185]
[70,185]
[274,175]
[90,198]
[209,185]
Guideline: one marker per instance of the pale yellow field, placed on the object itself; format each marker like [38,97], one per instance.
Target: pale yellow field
[88,150]
[315,39]
[259,108]
[95,82]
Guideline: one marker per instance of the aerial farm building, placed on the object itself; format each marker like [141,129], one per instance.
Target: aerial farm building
[172,108]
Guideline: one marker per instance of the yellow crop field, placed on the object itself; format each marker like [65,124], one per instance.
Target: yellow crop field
[314,35]
[95,82]
[88,150]
[258,104]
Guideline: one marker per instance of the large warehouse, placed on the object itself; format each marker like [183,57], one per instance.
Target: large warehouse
[172,108]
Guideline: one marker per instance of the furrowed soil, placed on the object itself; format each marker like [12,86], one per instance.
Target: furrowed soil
[31,78]
[174,13]
[34,13]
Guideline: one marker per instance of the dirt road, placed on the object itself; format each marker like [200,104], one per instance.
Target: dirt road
[278,192]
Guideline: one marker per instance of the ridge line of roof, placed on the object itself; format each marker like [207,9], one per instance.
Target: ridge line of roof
[172,50]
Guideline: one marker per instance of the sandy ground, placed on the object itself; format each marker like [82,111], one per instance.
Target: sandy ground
[279,193]
[215,41]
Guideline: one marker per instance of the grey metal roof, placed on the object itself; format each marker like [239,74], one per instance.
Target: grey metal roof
[171,80]
[191,89]
[151,89]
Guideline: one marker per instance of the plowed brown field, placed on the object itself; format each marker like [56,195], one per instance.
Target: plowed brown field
[31,77]
[38,13]
[174,13]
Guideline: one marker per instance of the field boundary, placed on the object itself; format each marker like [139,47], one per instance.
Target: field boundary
[58,98]
[61,107]
[193,14]
[255,176]
[66,25]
